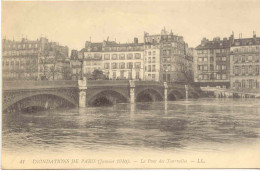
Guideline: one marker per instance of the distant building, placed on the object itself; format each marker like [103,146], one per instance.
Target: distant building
[166,57]
[32,60]
[52,58]
[117,61]
[20,59]
[92,58]
[123,61]
[213,62]
[76,65]
[162,57]
[245,63]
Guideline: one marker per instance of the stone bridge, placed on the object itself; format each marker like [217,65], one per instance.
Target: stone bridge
[19,95]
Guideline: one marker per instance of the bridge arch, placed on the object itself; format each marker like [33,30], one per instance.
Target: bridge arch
[194,95]
[39,99]
[149,95]
[175,95]
[107,97]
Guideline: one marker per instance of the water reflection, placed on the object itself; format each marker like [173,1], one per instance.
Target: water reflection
[177,125]
[165,107]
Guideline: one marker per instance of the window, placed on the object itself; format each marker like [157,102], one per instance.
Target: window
[153,68]
[250,58]
[243,58]
[114,56]
[149,60]
[218,76]
[149,68]
[235,58]
[153,76]
[200,77]
[211,59]
[211,67]
[246,67]
[250,69]
[122,65]
[114,75]
[137,56]
[114,65]
[224,67]
[121,74]
[257,69]
[137,76]
[243,69]
[130,65]
[236,69]
[154,52]
[200,59]
[130,75]
[122,56]
[107,66]
[205,77]
[243,83]
[149,53]
[153,61]
[205,59]
[224,76]
[205,68]
[138,65]
[107,56]
[218,67]
[224,58]
[130,56]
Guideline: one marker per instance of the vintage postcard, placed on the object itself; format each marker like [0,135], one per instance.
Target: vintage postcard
[130,84]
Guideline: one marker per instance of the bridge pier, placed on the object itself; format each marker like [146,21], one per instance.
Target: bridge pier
[82,93]
[165,91]
[132,91]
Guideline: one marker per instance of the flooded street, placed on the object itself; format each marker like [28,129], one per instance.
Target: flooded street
[195,125]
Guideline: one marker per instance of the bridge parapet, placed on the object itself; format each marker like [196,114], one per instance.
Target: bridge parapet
[18,85]
[107,83]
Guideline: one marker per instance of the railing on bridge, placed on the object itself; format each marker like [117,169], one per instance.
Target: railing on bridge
[10,85]
[107,82]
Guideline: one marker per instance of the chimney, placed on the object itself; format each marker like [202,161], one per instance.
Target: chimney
[135,40]
[254,34]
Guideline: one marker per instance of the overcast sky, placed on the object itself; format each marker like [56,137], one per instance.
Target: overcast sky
[72,23]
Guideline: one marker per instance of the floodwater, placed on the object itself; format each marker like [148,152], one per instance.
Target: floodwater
[194,125]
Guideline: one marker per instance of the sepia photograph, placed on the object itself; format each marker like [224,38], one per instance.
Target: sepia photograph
[130,84]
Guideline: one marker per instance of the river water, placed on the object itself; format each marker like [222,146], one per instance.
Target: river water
[194,125]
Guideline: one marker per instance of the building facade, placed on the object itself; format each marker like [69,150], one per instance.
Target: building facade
[245,64]
[166,57]
[124,61]
[213,62]
[162,57]
[28,60]
[76,64]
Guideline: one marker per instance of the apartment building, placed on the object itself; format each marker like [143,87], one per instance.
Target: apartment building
[20,59]
[124,61]
[166,57]
[245,64]
[213,62]
[32,60]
